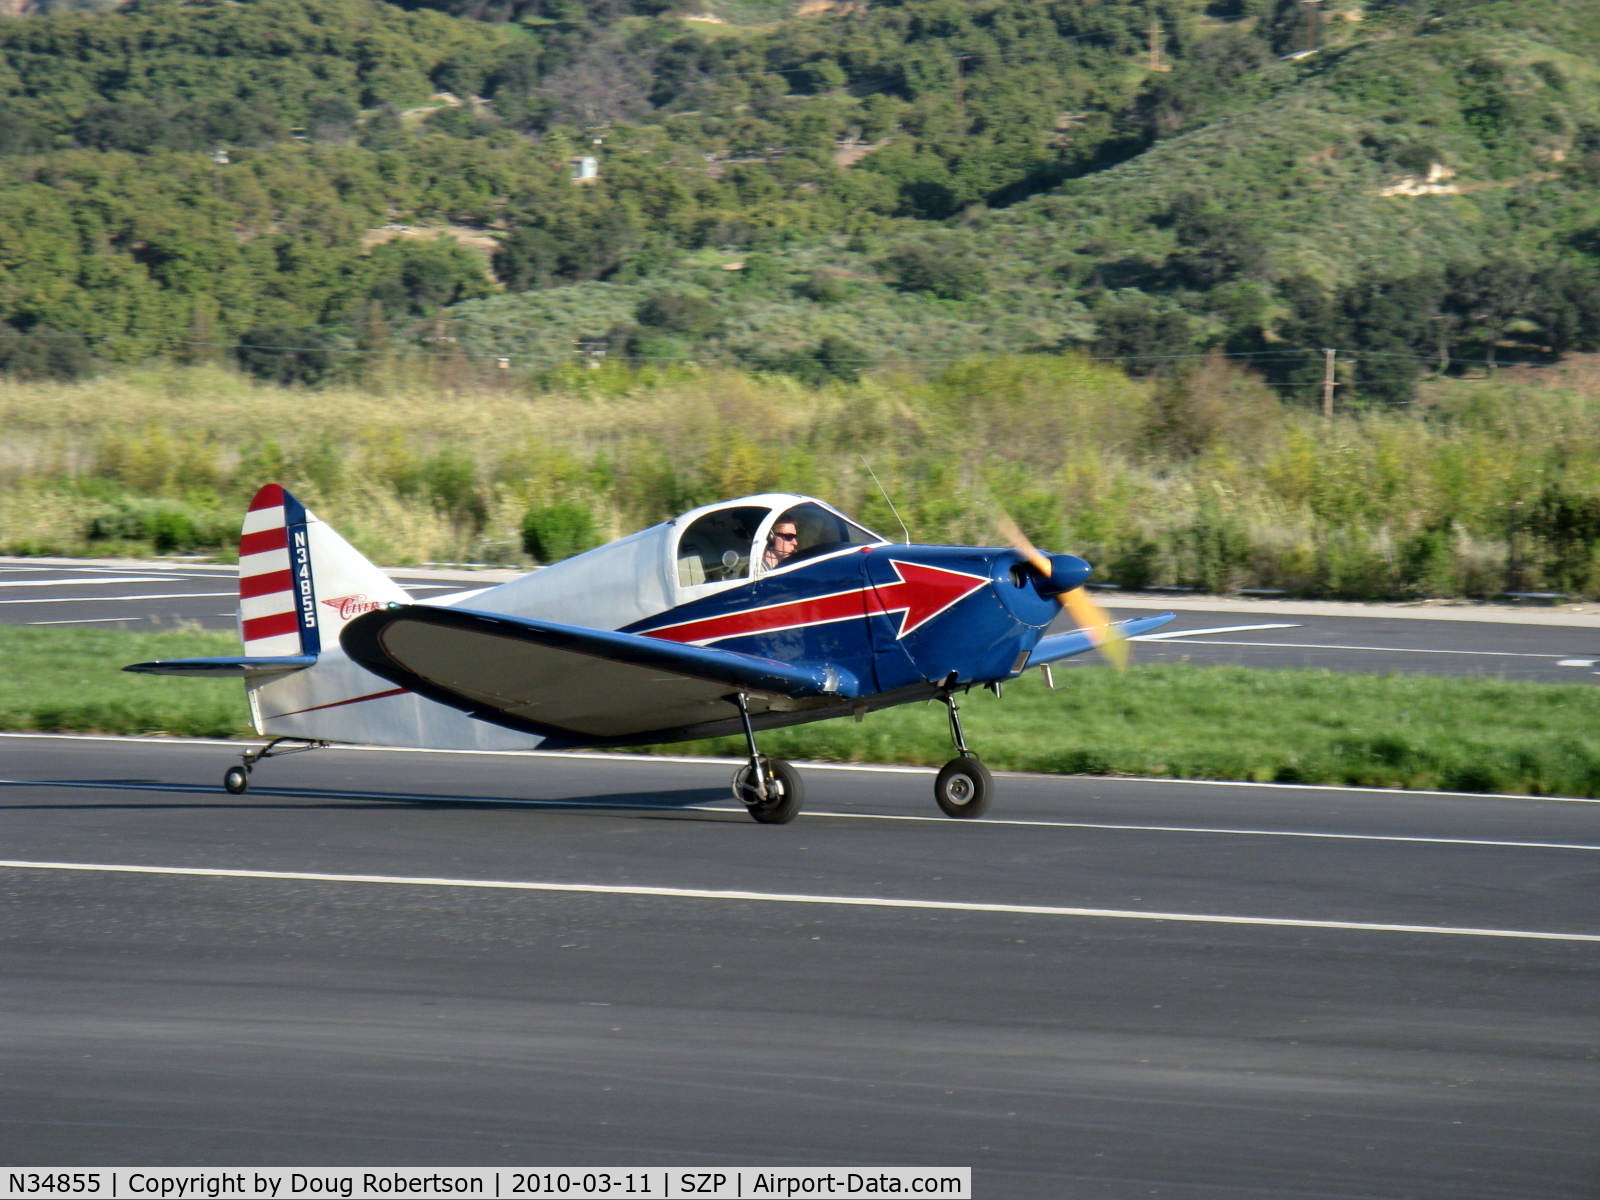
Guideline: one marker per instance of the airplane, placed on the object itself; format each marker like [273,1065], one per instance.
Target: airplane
[743,615]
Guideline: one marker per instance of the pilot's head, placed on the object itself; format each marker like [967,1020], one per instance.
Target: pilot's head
[782,541]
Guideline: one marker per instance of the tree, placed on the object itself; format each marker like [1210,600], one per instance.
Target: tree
[1569,309]
[132,124]
[1213,246]
[284,355]
[680,312]
[527,258]
[1389,321]
[331,117]
[20,134]
[943,269]
[1508,299]
[43,353]
[1142,334]
[419,277]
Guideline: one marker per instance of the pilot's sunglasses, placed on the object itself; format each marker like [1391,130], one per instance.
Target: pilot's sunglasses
[786,537]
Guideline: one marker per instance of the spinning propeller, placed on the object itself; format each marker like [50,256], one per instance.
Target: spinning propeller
[1066,573]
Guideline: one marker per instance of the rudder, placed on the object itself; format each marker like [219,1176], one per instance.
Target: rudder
[277,603]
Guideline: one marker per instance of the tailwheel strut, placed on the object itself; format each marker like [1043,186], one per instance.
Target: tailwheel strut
[236,779]
[964,783]
[769,788]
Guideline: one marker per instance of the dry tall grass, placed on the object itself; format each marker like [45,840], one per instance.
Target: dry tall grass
[1205,481]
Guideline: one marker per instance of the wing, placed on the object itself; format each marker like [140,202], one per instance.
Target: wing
[1063,645]
[579,686]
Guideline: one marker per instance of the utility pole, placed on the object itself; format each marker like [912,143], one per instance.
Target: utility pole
[1313,12]
[1157,63]
[1328,381]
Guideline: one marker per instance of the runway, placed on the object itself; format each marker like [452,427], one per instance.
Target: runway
[1113,988]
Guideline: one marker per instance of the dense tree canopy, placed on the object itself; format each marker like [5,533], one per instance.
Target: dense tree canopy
[1148,179]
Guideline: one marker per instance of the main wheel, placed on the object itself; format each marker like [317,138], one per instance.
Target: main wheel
[963,787]
[784,795]
[236,779]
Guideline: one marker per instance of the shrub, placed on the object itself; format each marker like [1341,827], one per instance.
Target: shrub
[167,525]
[551,532]
[680,312]
[450,479]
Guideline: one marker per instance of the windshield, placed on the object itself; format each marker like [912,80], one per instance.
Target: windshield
[819,530]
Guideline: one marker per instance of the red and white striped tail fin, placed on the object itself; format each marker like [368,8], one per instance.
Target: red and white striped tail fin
[299,581]
[271,615]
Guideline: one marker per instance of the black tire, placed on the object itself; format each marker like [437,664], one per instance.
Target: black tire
[963,787]
[236,780]
[785,792]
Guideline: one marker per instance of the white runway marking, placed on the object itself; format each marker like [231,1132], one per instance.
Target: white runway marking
[87,621]
[1217,831]
[1372,649]
[1188,633]
[602,889]
[118,599]
[13,583]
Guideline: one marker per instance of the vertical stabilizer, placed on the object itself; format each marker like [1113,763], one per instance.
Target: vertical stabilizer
[299,584]
[299,581]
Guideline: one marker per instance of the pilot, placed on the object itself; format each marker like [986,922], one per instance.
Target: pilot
[781,543]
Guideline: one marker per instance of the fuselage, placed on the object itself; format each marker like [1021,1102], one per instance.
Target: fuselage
[886,623]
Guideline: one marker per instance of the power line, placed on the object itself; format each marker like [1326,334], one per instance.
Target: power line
[475,351]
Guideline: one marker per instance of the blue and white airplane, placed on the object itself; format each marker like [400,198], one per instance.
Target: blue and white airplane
[749,614]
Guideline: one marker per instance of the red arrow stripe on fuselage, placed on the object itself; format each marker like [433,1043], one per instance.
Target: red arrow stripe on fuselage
[929,592]
[796,614]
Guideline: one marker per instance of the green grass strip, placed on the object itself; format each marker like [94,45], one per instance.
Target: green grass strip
[1177,721]
[60,680]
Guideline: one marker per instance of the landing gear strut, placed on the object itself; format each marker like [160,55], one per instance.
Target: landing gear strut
[964,783]
[768,787]
[237,779]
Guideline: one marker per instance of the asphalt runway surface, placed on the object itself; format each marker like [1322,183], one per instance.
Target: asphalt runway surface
[1553,645]
[1108,989]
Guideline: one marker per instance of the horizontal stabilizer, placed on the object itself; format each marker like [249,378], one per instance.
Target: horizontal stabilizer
[225,668]
[575,684]
[1064,645]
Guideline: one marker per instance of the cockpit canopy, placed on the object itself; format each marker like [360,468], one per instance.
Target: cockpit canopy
[674,562]
[729,541]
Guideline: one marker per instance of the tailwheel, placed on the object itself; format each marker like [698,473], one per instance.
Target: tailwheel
[963,787]
[237,779]
[771,789]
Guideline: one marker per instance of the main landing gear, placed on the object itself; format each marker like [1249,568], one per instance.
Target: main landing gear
[772,791]
[237,779]
[769,788]
[964,783]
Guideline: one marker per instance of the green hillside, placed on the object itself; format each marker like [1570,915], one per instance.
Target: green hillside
[313,188]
